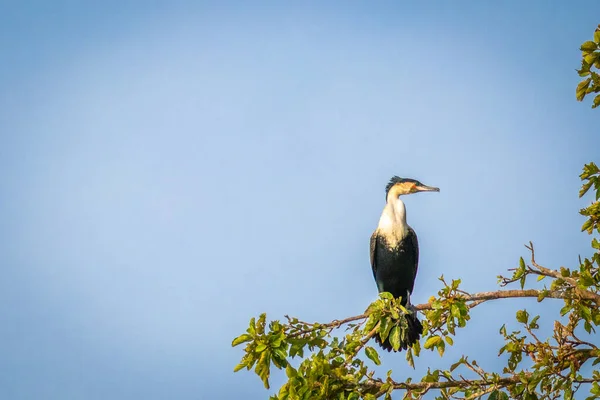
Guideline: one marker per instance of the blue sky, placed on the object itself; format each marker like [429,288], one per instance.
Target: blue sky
[170,170]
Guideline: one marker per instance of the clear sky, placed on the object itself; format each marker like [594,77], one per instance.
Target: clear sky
[169,170]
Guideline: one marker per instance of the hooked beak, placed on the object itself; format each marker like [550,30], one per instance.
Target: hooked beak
[425,188]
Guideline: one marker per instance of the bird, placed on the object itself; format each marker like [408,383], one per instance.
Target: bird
[395,254]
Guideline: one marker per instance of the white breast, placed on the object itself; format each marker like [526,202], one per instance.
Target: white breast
[392,223]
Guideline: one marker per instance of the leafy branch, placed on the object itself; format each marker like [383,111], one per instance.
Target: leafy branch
[327,360]
[334,370]
[590,60]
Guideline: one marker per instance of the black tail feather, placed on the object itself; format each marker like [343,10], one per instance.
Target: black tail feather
[413,334]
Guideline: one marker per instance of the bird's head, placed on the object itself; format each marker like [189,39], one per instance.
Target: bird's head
[402,186]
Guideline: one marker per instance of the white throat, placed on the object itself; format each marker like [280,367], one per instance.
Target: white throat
[393,221]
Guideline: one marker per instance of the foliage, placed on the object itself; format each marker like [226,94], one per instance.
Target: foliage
[335,361]
[591,176]
[590,60]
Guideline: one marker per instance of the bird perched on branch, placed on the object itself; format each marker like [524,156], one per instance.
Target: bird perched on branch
[395,254]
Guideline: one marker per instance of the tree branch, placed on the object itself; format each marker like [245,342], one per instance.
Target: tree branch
[498,383]
[540,270]
[475,299]
[546,271]
[501,382]
[479,298]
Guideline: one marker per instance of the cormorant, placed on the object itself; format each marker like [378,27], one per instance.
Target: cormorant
[395,253]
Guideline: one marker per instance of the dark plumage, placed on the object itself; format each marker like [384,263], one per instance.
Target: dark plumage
[395,266]
[395,253]
[395,270]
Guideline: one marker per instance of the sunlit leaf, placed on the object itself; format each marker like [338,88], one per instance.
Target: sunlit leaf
[238,367]
[371,322]
[385,326]
[431,342]
[241,339]
[395,337]
[372,354]
[441,347]
[588,46]
[522,316]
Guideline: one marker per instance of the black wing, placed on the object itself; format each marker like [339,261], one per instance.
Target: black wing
[373,252]
[412,236]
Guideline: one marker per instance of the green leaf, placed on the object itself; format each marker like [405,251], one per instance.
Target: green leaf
[409,357]
[352,346]
[416,347]
[441,347]
[260,348]
[586,280]
[252,328]
[280,356]
[588,46]
[542,295]
[239,366]
[586,313]
[584,189]
[377,305]
[432,341]
[386,295]
[533,324]
[395,337]
[385,325]
[372,354]
[402,308]
[371,322]
[456,364]
[260,325]
[568,394]
[241,339]
[591,58]
[596,104]
[587,225]
[263,368]
[585,69]
[502,330]
[522,316]
[449,340]
[290,371]
[276,340]
[581,88]
[589,170]
[455,311]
